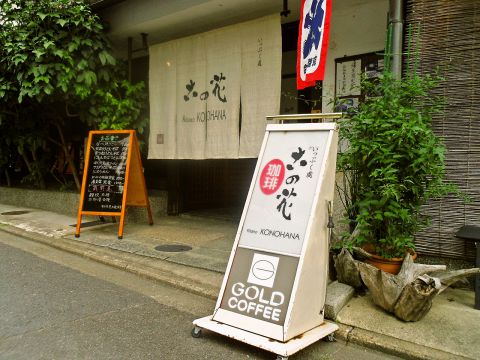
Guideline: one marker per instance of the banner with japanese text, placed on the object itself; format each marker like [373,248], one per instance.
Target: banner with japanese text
[191,95]
[195,88]
[313,33]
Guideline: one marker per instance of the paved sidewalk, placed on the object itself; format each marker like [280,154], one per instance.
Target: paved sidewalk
[451,330]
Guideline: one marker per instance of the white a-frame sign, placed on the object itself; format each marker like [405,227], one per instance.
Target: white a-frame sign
[275,283]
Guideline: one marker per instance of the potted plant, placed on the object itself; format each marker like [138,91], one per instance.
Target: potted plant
[394,161]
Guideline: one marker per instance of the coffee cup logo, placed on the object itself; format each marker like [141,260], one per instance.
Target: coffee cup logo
[263,270]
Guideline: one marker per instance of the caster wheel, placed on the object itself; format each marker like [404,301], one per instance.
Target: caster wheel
[196,332]
[330,338]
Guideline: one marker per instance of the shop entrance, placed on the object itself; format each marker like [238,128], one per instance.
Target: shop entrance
[218,188]
[213,188]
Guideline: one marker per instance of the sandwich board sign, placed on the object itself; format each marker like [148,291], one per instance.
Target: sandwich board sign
[275,282]
[112,177]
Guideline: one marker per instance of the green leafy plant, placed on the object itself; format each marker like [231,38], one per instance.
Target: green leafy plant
[395,161]
[57,70]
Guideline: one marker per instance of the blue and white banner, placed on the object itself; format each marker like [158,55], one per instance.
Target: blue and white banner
[313,36]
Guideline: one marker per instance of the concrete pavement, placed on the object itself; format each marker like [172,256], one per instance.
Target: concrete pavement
[451,330]
[56,305]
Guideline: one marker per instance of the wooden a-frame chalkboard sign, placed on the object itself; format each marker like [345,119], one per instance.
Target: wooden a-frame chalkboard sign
[113,177]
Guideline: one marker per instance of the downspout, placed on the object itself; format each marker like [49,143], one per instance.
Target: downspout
[396,27]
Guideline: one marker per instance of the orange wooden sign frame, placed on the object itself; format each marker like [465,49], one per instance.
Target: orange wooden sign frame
[134,189]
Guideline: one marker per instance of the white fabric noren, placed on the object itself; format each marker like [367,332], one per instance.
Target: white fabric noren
[196,84]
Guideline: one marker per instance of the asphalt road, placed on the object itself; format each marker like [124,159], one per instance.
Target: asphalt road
[55,305]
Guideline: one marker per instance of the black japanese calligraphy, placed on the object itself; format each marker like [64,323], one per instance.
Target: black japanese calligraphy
[190,87]
[218,90]
[313,160]
[217,79]
[204,95]
[259,51]
[282,207]
[289,191]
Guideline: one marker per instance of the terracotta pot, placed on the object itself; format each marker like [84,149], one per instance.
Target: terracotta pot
[391,266]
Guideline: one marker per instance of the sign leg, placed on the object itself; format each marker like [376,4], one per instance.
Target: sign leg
[120,228]
[79,223]
[149,213]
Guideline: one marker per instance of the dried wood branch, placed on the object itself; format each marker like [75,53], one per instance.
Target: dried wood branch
[409,294]
[415,301]
[361,254]
[347,269]
[448,278]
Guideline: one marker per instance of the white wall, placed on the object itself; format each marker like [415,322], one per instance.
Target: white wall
[357,27]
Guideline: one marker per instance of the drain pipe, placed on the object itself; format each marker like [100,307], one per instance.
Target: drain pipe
[396,25]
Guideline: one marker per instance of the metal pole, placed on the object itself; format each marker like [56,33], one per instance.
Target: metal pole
[312,116]
[396,24]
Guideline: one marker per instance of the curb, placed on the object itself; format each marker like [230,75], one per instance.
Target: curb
[194,280]
[392,346]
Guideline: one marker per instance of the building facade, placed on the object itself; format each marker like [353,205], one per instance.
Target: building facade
[449,34]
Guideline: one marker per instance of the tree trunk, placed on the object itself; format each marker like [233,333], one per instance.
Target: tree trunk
[27,161]
[409,294]
[7,176]
[347,269]
[41,180]
[69,159]
[386,288]
[415,301]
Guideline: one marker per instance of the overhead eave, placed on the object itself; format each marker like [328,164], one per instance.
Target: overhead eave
[170,19]
[103,4]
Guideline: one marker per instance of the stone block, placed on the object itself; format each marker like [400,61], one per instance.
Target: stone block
[338,295]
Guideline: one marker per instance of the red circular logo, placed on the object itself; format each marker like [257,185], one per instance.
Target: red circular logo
[272,176]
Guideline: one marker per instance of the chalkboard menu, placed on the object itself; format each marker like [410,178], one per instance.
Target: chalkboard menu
[106,173]
[113,177]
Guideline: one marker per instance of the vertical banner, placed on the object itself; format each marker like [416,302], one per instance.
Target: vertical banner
[191,96]
[313,35]
[162,143]
[261,79]
[223,70]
